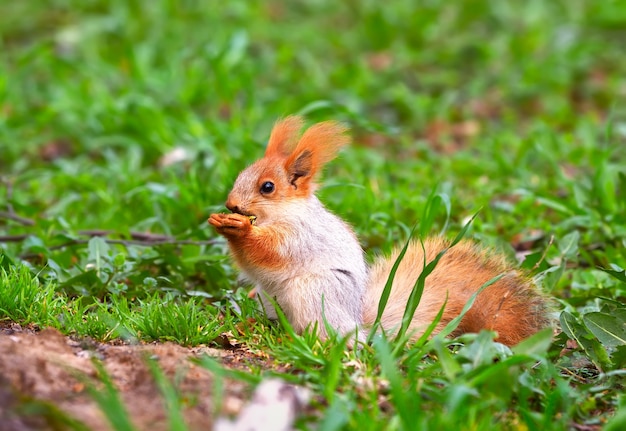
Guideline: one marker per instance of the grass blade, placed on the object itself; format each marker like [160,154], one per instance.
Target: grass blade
[401,399]
[384,298]
[173,405]
[451,326]
[418,288]
[109,400]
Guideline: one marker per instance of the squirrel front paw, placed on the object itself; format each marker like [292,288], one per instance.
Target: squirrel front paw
[231,225]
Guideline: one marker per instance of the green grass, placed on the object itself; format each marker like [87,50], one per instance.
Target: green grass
[512,110]
[157,317]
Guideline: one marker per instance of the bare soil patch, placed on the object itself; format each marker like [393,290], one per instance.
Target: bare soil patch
[40,375]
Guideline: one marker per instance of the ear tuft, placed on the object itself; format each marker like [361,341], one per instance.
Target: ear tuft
[318,145]
[284,136]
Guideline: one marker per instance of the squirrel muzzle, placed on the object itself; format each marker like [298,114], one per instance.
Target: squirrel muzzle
[233,206]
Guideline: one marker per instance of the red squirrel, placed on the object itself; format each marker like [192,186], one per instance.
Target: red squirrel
[310,261]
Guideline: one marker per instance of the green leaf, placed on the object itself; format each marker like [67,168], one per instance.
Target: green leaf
[568,245]
[533,260]
[618,357]
[552,275]
[616,272]
[537,344]
[449,363]
[499,376]
[618,421]
[591,346]
[608,329]
[87,278]
[98,248]
[557,206]
[570,326]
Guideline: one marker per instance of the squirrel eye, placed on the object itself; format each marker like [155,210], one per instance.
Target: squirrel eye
[267,187]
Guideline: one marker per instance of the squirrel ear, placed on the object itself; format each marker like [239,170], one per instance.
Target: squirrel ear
[300,167]
[319,145]
[284,136]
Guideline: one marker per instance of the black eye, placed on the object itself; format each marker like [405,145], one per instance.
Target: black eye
[267,187]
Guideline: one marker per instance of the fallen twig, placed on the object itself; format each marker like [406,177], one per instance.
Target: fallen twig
[10,215]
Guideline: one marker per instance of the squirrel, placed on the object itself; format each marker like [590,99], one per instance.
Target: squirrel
[294,250]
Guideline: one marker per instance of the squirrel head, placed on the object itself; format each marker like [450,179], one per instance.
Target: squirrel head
[289,169]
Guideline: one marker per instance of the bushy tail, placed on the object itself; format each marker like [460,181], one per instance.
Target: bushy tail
[512,306]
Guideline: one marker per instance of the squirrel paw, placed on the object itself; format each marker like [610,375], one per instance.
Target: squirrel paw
[231,225]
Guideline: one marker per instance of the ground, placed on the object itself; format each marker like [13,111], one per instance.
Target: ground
[48,366]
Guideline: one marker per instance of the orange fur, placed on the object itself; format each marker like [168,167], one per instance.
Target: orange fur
[512,306]
[318,145]
[311,262]
[283,138]
[323,141]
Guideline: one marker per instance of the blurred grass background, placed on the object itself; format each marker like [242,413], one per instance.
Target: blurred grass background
[498,104]
[515,109]
[123,125]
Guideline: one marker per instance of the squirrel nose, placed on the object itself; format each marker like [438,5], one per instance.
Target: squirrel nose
[232,206]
